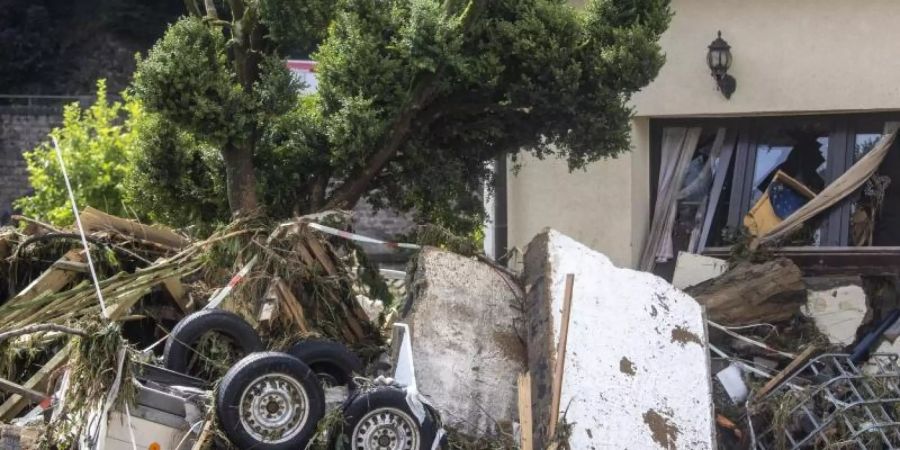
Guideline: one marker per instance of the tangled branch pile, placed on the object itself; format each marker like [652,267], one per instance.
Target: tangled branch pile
[150,277]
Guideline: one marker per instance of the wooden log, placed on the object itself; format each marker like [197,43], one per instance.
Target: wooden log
[770,292]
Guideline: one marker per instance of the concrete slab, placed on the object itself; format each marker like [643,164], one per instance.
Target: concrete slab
[468,353]
[636,369]
[691,269]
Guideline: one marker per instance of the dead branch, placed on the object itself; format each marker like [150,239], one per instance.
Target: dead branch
[43,225]
[39,328]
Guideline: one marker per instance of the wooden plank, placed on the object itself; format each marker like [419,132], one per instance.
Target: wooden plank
[176,291]
[798,362]
[292,306]
[322,256]
[266,314]
[305,255]
[559,369]
[178,294]
[38,382]
[16,388]
[525,415]
[96,220]
[52,280]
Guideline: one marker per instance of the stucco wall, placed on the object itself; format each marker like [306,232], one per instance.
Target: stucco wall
[790,57]
[604,206]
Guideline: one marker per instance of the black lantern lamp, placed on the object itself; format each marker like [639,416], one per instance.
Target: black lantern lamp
[719,60]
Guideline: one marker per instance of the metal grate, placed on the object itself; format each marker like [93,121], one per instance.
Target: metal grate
[834,403]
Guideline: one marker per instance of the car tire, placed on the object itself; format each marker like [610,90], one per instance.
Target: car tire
[270,401]
[332,362]
[186,334]
[383,413]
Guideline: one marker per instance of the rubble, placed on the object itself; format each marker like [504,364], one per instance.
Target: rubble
[465,318]
[627,364]
[636,372]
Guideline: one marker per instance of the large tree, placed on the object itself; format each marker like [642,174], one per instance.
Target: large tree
[414,99]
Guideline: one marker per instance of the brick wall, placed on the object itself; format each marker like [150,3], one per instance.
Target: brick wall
[20,130]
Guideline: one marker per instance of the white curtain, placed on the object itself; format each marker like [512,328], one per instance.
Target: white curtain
[678,146]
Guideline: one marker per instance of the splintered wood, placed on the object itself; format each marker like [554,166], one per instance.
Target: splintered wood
[279,298]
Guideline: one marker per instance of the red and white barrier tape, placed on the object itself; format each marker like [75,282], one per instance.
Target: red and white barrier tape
[361,238]
[222,293]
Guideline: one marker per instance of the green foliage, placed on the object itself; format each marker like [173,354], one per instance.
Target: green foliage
[186,80]
[176,180]
[97,144]
[415,97]
[296,38]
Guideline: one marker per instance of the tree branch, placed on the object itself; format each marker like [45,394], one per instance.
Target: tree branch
[38,328]
[346,196]
[211,12]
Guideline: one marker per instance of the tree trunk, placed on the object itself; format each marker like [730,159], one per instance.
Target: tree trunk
[753,293]
[240,180]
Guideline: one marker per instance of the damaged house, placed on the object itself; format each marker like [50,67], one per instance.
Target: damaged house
[767,138]
[799,94]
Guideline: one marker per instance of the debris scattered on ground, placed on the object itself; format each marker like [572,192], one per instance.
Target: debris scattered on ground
[574,349]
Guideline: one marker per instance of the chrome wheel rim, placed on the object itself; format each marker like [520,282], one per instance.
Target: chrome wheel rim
[386,429]
[274,408]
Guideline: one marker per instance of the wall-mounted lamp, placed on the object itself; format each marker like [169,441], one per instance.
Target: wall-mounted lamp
[719,60]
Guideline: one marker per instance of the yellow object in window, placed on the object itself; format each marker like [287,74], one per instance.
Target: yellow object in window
[783,196]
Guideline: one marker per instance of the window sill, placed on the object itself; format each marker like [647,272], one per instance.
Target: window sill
[834,260]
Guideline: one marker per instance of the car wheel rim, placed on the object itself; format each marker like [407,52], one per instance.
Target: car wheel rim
[386,429]
[274,408]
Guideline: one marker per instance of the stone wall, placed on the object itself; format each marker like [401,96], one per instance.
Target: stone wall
[21,129]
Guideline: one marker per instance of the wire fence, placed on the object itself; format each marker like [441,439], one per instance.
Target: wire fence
[41,104]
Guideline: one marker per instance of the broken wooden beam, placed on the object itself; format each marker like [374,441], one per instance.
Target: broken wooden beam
[39,381]
[16,388]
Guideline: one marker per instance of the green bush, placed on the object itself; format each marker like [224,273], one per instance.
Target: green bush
[97,145]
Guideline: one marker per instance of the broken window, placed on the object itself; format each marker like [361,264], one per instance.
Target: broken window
[767,168]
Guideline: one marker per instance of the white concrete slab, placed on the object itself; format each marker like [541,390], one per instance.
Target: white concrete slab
[636,369]
[837,312]
[692,269]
